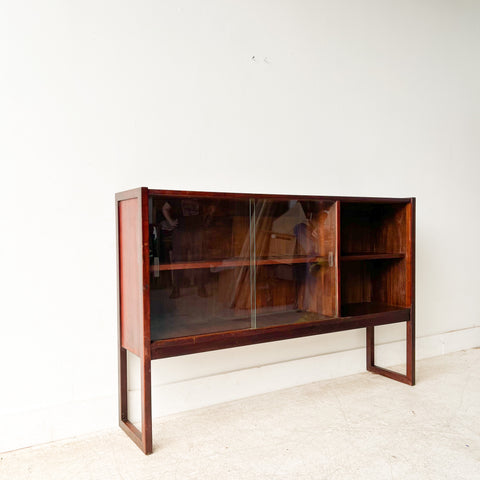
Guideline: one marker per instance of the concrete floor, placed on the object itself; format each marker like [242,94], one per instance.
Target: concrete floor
[362,426]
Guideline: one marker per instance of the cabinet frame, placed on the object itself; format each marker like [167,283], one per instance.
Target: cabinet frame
[133,298]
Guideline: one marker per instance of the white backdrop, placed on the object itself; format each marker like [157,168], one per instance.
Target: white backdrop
[370,97]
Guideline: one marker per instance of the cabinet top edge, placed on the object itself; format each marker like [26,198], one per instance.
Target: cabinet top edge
[132,193]
[154,192]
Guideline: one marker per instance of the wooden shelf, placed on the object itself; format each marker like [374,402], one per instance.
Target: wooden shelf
[187,326]
[367,308]
[234,262]
[351,257]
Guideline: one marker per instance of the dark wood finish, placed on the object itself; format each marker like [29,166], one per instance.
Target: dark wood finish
[146,377]
[410,288]
[379,281]
[356,285]
[367,308]
[373,228]
[411,349]
[233,263]
[323,299]
[123,386]
[371,367]
[370,347]
[133,432]
[401,288]
[326,302]
[275,196]
[337,258]
[134,306]
[374,257]
[371,256]
[361,275]
[390,282]
[399,377]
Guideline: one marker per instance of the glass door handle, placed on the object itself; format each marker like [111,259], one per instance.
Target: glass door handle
[330,259]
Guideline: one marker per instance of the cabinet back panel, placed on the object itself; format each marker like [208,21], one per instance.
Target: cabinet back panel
[373,228]
[380,281]
[389,282]
[356,280]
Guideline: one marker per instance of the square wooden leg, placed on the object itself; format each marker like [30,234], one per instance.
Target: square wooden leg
[142,438]
[409,378]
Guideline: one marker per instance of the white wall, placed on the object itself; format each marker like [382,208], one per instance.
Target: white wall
[377,98]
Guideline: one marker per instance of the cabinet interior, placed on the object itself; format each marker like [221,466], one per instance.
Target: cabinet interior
[240,263]
[373,257]
[221,264]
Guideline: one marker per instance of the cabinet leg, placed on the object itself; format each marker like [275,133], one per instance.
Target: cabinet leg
[409,378]
[370,348]
[123,386]
[411,349]
[147,406]
[143,438]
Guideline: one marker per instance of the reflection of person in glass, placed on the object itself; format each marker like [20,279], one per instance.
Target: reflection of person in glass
[184,217]
[308,239]
[297,232]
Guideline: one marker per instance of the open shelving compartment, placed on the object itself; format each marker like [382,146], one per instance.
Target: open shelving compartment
[202,271]
[375,258]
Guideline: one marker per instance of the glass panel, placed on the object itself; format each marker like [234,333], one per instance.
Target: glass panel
[295,258]
[199,265]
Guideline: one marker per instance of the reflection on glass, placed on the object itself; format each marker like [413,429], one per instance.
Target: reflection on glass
[295,261]
[229,264]
[200,271]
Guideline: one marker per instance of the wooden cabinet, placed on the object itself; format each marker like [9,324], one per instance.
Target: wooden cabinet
[201,271]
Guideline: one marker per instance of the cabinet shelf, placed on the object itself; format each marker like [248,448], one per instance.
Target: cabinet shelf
[352,257]
[366,308]
[235,262]
[180,327]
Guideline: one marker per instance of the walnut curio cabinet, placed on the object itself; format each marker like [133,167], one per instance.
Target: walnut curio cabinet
[200,271]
